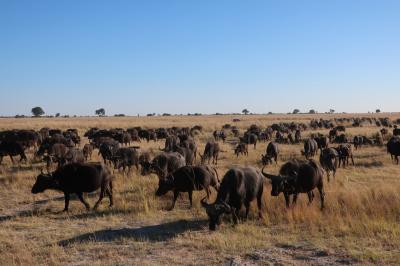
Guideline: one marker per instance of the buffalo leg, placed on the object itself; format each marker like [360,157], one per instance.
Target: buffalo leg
[176,194]
[295,199]
[322,195]
[352,160]
[66,198]
[1,159]
[110,192]
[80,196]
[310,195]
[247,206]
[12,159]
[287,200]
[102,192]
[190,192]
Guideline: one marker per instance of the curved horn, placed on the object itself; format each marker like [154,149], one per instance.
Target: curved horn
[204,203]
[267,175]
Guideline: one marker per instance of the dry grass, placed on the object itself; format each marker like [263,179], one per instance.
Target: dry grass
[359,225]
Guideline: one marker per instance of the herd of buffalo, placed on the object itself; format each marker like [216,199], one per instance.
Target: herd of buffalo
[180,167]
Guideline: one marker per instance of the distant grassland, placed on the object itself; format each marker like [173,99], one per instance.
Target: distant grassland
[359,225]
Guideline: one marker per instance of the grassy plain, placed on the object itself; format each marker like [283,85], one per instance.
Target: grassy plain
[360,224]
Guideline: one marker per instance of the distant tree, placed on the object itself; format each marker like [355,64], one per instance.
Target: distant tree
[153,114]
[57,114]
[100,112]
[296,111]
[378,111]
[331,111]
[37,111]
[270,113]
[312,111]
[166,114]
[245,111]
[119,115]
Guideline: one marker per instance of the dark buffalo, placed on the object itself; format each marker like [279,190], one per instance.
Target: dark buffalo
[211,150]
[249,138]
[12,148]
[303,177]
[188,179]
[393,147]
[77,178]
[163,164]
[240,185]
[358,141]
[345,152]
[322,142]
[126,157]
[272,152]
[108,149]
[242,148]
[310,148]
[329,161]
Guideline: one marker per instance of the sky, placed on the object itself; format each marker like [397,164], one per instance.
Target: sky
[139,57]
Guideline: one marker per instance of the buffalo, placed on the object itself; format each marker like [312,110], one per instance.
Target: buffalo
[187,179]
[272,152]
[77,178]
[298,177]
[240,185]
[211,150]
[329,161]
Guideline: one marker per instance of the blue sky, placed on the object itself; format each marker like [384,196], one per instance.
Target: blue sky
[136,57]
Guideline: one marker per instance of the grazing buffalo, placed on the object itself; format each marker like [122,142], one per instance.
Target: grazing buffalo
[345,152]
[242,148]
[77,178]
[302,177]
[163,164]
[187,179]
[272,152]
[249,138]
[310,148]
[240,185]
[329,161]
[12,148]
[211,150]
[126,157]
[393,147]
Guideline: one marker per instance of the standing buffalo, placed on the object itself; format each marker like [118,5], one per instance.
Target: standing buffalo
[298,177]
[12,148]
[329,161]
[187,179]
[77,178]
[345,152]
[242,148]
[393,147]
[163,164]
[358,141]
[310,148]
[211,150]
[240,185]
[126,157]
[271,153]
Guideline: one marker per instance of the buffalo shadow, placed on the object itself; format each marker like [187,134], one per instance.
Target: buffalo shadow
[152,233]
